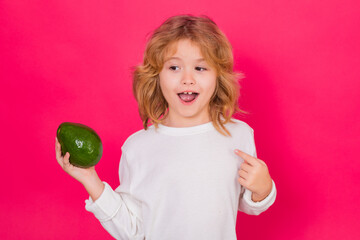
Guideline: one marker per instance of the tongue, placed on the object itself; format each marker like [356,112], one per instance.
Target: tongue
[187,97]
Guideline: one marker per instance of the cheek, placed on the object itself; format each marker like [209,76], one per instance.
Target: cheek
[166,86]
[210,87]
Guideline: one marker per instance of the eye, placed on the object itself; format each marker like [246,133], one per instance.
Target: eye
[201,69]
[173,68]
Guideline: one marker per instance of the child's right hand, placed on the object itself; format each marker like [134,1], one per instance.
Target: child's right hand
[81,174]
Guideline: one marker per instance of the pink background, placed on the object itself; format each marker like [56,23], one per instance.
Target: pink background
[70,61]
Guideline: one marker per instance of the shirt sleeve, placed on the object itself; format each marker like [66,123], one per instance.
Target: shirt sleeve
[246,204]
[118,212]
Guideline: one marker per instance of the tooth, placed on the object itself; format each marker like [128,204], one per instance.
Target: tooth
[190,92]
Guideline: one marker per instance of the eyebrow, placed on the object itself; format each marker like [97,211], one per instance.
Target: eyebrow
[177,58]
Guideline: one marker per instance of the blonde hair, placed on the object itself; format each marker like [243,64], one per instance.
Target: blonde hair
[217,51]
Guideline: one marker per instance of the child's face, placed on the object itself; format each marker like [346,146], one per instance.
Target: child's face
[184,72]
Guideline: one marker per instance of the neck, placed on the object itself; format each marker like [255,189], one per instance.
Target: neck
[185,122]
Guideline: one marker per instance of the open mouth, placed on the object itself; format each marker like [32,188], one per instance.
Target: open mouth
[188,97]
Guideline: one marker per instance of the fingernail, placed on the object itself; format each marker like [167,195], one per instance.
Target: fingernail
[236,151]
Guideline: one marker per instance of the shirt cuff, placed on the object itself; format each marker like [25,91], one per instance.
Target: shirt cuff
[106,206]
[265,203]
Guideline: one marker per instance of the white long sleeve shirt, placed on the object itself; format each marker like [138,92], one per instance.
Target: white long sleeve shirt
[179,183]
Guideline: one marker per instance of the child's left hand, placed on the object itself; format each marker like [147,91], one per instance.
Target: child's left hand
[254,176]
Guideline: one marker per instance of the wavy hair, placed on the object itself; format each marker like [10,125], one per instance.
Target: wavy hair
[216,50]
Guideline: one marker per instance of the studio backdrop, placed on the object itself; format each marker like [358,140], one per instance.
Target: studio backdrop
[70,61]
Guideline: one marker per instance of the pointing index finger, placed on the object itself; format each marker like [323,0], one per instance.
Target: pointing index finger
[250,159]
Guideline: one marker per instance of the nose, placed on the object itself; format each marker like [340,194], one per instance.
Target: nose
[188,78]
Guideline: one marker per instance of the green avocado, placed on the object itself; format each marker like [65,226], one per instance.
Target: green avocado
[82,142]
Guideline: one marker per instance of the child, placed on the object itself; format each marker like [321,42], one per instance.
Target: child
[183,177]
